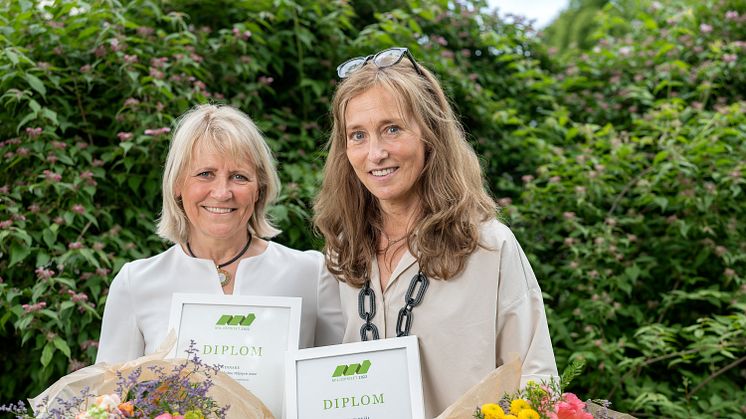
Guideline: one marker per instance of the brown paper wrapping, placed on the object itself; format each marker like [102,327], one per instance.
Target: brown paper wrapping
[504,379]
[101,379]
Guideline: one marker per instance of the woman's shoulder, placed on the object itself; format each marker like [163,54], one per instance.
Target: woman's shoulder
[493,233]
[166,257]
[285,253]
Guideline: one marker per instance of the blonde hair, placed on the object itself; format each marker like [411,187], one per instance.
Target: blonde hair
[231,133]
[451,187]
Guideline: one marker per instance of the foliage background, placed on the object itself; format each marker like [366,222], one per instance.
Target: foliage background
[618,161]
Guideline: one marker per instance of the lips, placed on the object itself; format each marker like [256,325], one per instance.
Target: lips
[383,172]
[218,210]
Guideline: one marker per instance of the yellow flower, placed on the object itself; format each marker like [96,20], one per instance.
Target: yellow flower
[492,411]
[517,405]
[528,414]
[510,417]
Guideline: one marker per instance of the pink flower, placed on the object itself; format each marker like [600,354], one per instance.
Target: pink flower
[34,208]
[52,176]
[77,208]
[266,80]
[86,68]
[570,408]
[33,132]
[157,131]
[730,58]
[75,245]
[124,136]
[731,15]
[705,28]
[6,223]
[131,102]
[42,273]
[164,416]
[131,59]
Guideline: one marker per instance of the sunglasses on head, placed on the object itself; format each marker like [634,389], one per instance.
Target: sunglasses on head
[383,59]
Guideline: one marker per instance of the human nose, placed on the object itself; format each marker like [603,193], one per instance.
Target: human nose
[222,190]
[377,149]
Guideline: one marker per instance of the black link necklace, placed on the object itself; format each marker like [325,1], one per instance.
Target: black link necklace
[418,283]
[223,275]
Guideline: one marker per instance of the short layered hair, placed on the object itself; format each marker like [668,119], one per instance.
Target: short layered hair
[454,200]
[231,133]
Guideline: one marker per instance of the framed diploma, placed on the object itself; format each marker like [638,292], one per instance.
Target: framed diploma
[377,379]
[249,336]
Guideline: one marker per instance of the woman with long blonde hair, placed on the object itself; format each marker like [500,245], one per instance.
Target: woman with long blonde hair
[411,233]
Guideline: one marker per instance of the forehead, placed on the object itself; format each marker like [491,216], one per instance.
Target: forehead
[375,104]
[207,152]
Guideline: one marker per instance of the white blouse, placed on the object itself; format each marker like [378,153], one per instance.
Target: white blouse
[470,324]
[138,305]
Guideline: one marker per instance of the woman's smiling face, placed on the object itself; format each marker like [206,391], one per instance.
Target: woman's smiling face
[384,147]
[218,194]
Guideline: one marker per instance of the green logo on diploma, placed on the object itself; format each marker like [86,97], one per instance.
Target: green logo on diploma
[352,369]
[236,320]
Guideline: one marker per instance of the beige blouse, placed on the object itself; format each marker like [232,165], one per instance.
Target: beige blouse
[468,325]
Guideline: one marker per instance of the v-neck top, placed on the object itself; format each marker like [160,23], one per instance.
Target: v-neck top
[469,324]
[138,305]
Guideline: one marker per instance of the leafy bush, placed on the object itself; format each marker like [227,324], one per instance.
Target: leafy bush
[633,220]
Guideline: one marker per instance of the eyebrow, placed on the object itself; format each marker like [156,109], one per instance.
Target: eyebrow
[399,121]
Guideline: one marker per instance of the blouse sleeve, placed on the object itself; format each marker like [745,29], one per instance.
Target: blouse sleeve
[330,323]
[521,321]
[121,339]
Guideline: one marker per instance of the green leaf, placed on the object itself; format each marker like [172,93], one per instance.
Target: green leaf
[62,346]
[46,354]
[36,84]
[50,236]
[18,252]
[12,56]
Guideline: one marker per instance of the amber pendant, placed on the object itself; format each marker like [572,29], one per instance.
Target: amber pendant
[224,276]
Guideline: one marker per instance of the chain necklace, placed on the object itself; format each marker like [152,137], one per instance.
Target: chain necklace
[390,243]
[419,282]
[225,276]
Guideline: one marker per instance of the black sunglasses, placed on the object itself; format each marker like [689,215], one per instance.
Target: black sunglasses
[383,59]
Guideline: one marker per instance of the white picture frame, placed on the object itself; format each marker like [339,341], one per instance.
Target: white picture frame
[248,335]
[378,379]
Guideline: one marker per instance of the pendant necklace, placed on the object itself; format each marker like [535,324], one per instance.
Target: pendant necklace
[225,276]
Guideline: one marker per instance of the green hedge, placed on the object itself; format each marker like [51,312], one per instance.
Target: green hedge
[619,168]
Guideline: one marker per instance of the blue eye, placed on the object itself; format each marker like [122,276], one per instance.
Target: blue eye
[240,178]
[393,129]
[357,136]
[204,174]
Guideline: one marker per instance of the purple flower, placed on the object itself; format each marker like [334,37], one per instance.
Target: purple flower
[75,245]
[731,15]
[728,58]
[266,80]
[5,224]
[77,208]
[705,28]
[131,59]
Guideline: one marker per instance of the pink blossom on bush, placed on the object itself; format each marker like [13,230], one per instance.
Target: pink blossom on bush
[75,245]
[42,273]
[131,59]
[77,208]
[730,58]
[266,80]
[145,31]
[6,223]
[52,176]
[729,273]
[33,132]
[98,246]
[97,163]
[59,145]
[124,136]
[130,101]
[157,131]
[705,28]
[30,308]
[86,68]
[731,15]
[88,344]
[156,74]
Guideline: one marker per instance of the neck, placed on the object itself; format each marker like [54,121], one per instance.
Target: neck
[398,219]
[218,250]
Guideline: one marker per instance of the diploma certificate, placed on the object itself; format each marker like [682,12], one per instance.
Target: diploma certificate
[249,336]
[377,379]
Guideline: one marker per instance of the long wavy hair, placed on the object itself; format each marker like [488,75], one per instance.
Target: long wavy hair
[454,201]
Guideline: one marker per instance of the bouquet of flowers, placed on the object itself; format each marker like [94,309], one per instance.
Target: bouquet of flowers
[534,401]
[149,387]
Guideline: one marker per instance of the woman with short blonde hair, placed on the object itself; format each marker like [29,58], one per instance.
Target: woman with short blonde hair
[218,182]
